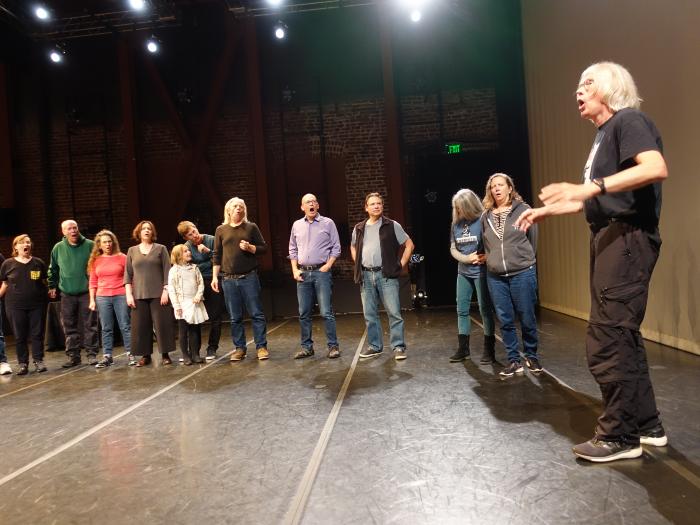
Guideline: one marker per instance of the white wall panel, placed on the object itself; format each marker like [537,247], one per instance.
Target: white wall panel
[659,42]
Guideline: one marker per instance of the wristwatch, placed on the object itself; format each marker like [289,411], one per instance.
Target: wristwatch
[601,184]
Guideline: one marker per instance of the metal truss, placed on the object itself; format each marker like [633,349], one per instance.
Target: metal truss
[243,8]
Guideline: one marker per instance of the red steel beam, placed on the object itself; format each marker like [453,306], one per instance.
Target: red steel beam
[7,195]
[212,111]
[257,138]
[126,81]
[394,180]
[207,180]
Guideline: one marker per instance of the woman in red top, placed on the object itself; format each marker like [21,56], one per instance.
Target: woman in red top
[107,293]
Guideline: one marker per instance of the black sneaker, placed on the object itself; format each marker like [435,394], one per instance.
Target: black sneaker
[656,437]
[304,352]
[23,369]
[533,365]
[600,451]
[370,352]
[106,361]
[515,367]
[72,361]
[211,354]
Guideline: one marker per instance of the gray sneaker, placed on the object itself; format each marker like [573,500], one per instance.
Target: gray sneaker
[304,352]
[600,451]
[39,366]
[399,354]
[515,367]
[370,352]
[106,361]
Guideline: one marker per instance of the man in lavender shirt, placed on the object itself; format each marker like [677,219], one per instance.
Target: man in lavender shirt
[313,248]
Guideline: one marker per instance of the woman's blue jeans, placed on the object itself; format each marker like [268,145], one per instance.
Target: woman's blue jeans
[511,296]
[110,307]
[240,293]
[465,290]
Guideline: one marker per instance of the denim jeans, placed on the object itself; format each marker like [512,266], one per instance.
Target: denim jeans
[3,356]
[513,295]
[109,307]
[245,292]
[316,286]
[465,290]
[374,288]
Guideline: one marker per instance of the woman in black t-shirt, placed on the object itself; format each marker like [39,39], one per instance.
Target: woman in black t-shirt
[23,279]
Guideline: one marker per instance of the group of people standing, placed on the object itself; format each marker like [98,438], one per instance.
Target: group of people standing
[146,289]
[620,195]
[497,261]
[494,242]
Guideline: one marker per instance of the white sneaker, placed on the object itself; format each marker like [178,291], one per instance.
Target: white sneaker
[5,369]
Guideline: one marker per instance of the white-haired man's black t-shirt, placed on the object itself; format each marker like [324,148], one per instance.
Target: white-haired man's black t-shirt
[626,134]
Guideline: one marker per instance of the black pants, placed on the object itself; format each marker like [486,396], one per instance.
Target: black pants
[75,314]
[150,315]
[622,260]
[28,326]
[216,310]
[190,337]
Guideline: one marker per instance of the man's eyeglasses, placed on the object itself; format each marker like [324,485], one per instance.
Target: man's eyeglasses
[586,85]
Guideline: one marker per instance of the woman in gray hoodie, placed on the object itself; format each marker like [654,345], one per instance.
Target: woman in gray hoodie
[512,276]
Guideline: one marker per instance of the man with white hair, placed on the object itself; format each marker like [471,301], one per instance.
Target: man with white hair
[237,243]
[68,274]
[621,198]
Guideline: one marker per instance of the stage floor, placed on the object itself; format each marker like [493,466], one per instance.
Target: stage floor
[345,441]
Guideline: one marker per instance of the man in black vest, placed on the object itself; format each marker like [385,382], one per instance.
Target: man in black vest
[381,250]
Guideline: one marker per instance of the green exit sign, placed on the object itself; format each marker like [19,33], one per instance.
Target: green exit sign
[453,148]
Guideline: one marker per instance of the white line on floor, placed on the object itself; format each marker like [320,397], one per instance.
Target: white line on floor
[296,510]
[52,378]
[116,417]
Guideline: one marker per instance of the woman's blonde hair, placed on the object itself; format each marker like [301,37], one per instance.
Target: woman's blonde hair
[466,205]
[19,239]
[176,255]
[228,209]
[615,84]
[489,203]
[97,248]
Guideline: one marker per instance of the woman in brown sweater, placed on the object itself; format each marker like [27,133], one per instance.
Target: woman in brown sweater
[146,282]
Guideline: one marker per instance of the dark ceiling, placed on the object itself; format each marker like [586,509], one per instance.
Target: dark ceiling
[71,19]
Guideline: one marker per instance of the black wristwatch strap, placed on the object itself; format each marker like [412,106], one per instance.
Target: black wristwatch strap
[601,184]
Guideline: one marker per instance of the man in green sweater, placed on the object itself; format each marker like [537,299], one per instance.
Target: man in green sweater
[68,273]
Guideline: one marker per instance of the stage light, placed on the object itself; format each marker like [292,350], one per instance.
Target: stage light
[280,30]
[138,5]
[153,45]
[41,12]
[57,54]
[416,16]
[274,3]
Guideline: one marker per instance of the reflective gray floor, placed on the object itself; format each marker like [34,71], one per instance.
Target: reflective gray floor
[418,441]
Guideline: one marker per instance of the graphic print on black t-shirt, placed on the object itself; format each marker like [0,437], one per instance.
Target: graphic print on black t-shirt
[26,283]
[626,134]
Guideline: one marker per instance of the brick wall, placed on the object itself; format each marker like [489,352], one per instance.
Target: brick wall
[354,135]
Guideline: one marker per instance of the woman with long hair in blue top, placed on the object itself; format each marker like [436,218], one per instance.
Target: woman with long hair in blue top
[467,248]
